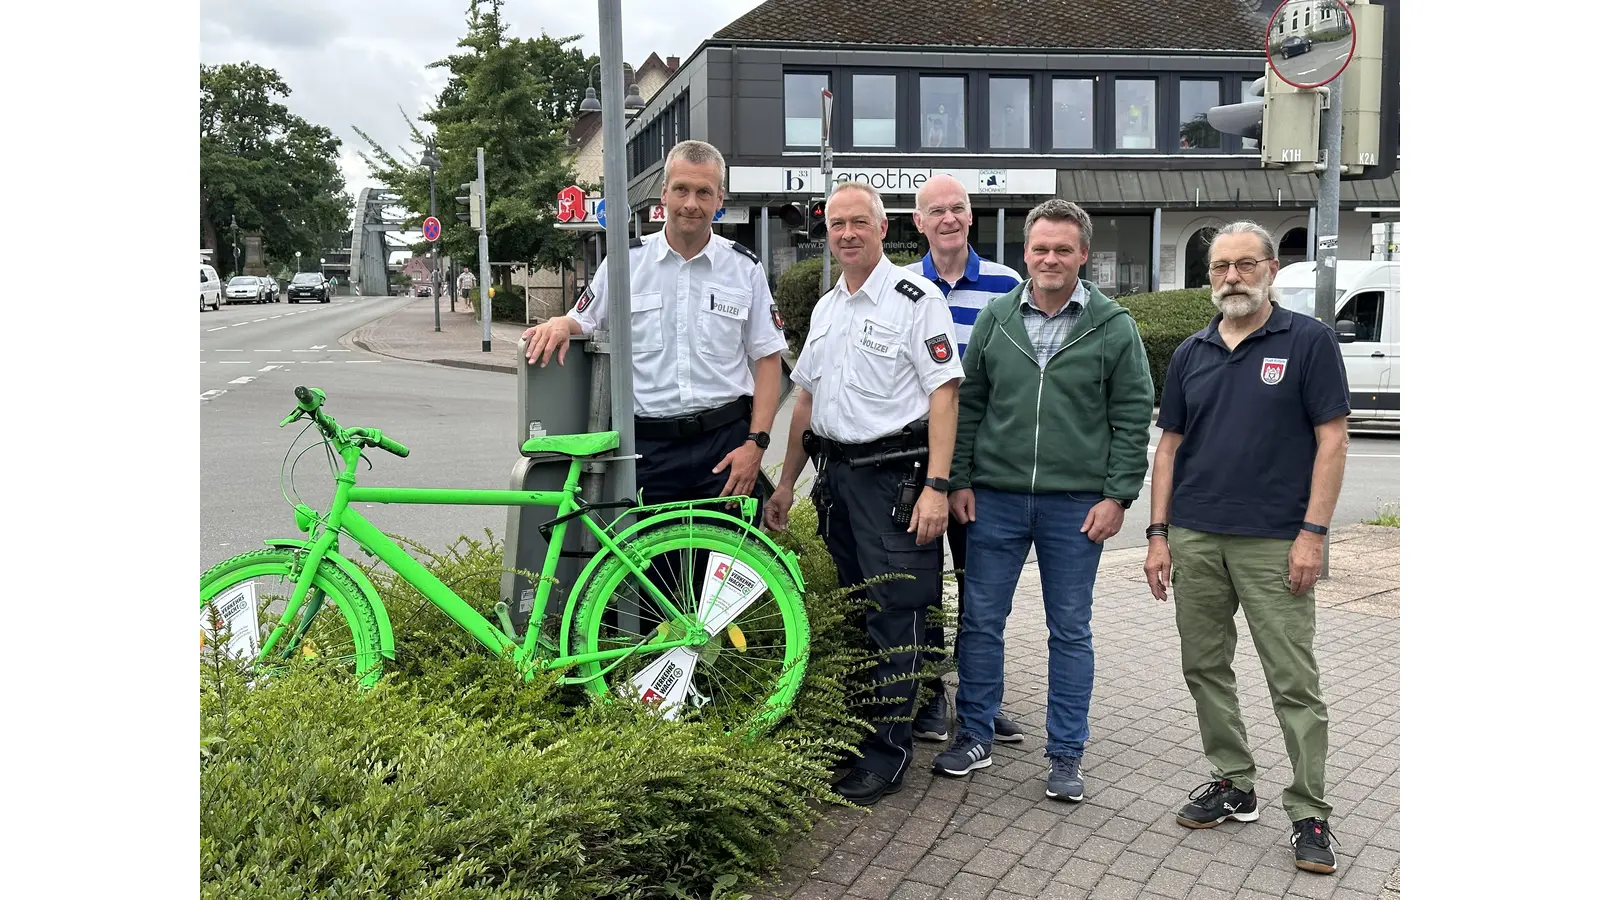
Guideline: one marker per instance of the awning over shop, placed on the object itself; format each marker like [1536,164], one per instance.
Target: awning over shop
[1221,188]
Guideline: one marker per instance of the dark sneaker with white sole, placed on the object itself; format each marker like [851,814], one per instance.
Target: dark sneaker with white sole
[1005,730]
[1216,802]
[1312,850]
[966,754]
[1066,782]
[865,788]
[932,721]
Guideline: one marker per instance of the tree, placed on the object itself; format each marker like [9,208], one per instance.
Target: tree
[515,98]
[265,167]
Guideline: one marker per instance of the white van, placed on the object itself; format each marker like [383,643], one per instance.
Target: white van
[210,288]
[1367,317]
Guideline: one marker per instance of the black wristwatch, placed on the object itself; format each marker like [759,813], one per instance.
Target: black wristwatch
[761,438]
[942,485]
[1314,529]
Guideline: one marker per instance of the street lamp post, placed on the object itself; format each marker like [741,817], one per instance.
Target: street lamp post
[233,236]
[297,262]
[431,160]
[633,102]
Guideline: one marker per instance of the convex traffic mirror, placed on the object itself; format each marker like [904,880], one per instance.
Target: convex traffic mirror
[1309,42]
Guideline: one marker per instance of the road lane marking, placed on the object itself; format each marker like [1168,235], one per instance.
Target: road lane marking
[232,362]
[275,317]
[245,380]
[253,321]
[319,346]
[208,395]
[218,328]
[269,368]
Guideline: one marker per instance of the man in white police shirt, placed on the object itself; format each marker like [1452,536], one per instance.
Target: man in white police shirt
[876,408]
[968,282]
[702,312]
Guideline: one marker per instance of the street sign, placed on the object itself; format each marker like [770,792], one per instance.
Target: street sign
[430,229]
[600,212]
[827,114]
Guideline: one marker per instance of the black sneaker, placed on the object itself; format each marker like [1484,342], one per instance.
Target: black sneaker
[1217,802]
[1312,851]
[932,721]
[1005,730]
[966,754]
[1066,779]
[865,788]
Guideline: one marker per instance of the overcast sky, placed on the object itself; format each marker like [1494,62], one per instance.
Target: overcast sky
[358,64]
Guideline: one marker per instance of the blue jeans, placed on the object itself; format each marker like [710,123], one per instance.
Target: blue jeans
[997,546]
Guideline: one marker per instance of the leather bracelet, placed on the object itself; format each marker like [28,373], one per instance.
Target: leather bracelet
[1314,529]
[1158,528]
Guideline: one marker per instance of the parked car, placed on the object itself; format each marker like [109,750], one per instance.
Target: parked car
[1294,46]
[245,289]
[308,286]
[273,290]
[1367,319]
[210,288]
[424,290]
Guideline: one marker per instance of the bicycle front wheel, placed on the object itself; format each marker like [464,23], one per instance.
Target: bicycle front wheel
[737,600]
[335,623]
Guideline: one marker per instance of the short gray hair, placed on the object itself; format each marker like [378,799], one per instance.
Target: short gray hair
[1058,210]
[698,153]
[1245,226]
[922,205]
[878,215]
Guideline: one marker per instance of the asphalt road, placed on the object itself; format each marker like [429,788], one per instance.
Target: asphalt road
[1321,61]
[458,423]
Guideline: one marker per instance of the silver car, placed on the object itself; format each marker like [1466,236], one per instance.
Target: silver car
[245,289]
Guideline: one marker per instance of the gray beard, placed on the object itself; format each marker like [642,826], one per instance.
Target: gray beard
[1239,306]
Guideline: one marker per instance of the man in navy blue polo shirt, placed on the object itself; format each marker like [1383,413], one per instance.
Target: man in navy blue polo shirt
[968,282]
[1245,479]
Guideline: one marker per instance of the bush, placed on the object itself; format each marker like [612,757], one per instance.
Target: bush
[454,778]
[798,293]
[510,303]
[1165,318]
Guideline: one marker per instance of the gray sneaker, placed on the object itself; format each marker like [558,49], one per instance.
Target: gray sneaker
[1065,783]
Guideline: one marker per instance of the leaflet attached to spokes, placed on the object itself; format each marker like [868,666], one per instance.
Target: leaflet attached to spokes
[237,606]
[730,587]
[665,682]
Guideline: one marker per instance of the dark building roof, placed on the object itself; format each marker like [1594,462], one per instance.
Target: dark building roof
[1042,24]
[1213,189]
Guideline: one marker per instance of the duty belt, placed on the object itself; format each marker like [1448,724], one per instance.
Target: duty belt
[911,441]
[692,425]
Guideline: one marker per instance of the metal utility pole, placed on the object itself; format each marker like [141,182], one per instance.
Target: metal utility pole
[620,313]
[233,236]
[430,160]
[827,186]
[1327,234]
[483,251]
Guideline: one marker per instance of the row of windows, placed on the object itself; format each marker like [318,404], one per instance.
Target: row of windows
[653,141]
[996,112]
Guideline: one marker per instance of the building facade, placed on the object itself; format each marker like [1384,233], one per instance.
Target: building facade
[1101,102]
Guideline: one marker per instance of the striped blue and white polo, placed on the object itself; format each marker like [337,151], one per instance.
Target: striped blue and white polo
[981,282]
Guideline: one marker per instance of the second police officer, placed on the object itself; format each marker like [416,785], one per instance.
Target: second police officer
[877,382]
[701,314]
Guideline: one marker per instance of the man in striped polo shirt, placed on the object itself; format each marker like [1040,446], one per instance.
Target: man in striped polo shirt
[969,282]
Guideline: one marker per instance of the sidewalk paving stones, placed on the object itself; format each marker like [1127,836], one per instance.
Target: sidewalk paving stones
[408,334]
[994,835]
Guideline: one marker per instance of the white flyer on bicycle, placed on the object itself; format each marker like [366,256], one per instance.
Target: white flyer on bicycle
[237,606]
[729,589]
[665,682]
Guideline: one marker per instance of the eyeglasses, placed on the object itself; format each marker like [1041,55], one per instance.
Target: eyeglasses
[938,211]
[1245,266]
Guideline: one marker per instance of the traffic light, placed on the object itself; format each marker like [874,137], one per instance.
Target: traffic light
[793,215]
[817,219]
[471,205]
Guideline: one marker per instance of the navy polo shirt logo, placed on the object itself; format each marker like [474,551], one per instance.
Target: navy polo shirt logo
[1272,369]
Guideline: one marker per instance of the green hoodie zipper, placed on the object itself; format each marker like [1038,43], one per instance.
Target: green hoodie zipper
[1038,400]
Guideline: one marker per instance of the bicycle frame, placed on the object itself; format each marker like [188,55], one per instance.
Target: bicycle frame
[341,518]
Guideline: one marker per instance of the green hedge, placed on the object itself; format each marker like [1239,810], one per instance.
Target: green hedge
[799,288]
[1165,318]
[455,779]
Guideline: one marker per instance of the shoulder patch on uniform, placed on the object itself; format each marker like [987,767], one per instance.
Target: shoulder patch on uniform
[911,291]
[777,320]
[585,298]
[635,243]
[746,252]
[938,348]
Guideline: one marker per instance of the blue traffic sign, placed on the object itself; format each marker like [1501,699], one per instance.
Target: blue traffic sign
[430,229]
[600,212]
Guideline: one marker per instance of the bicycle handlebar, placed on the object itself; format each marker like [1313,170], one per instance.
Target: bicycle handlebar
[310,404]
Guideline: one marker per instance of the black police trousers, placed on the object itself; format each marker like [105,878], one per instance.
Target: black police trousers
[672,471]
[865,542]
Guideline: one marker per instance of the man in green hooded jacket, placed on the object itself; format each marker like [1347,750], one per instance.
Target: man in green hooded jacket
[1050,450]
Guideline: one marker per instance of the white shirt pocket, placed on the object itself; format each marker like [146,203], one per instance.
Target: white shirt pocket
[874,359]
[647,325]
[721,318]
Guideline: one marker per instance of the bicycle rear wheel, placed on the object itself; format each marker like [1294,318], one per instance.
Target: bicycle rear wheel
[335,623]
[731,588]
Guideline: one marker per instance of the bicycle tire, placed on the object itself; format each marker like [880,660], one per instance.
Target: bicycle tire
[782,661]
[353,638]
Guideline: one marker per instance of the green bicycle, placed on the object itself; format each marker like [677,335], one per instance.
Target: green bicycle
[687,607]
